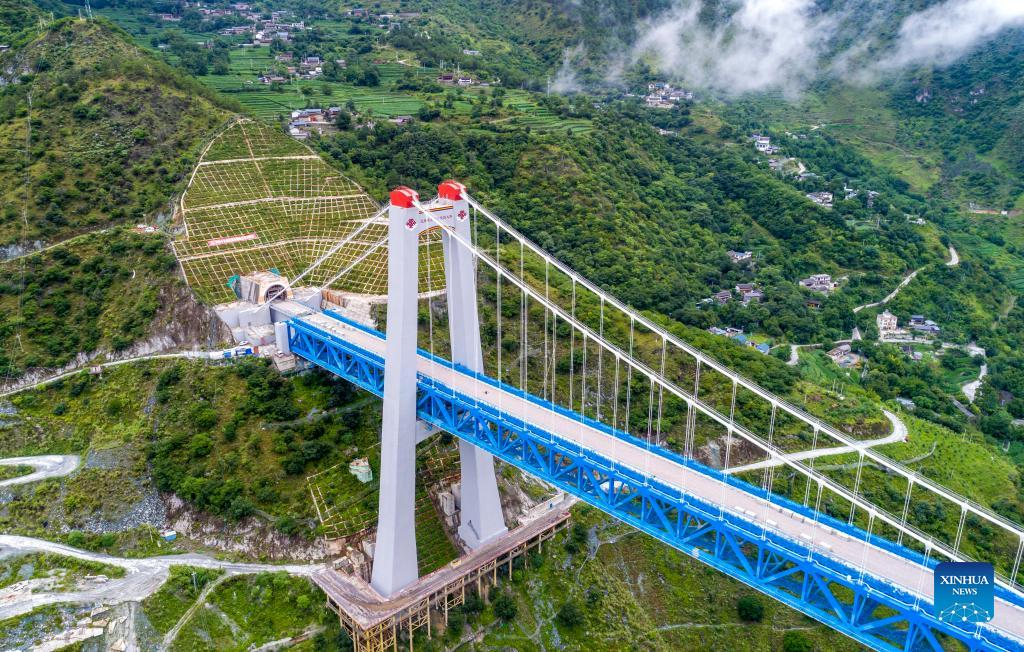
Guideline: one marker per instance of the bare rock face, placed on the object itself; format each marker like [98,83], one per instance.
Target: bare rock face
[181,324]
[185,323]
[255,537]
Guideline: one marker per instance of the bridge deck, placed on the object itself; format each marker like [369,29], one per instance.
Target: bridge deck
[880,563]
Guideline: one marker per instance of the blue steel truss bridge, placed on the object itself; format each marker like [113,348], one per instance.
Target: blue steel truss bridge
[525,360]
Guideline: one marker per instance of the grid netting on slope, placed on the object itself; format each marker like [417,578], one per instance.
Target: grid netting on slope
[259,200]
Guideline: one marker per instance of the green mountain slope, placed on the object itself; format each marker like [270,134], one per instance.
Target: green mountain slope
[94,132]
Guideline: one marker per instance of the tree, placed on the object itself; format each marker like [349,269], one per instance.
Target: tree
[570,615]
[505,607]
[750,609]
[996,425]
[796,642]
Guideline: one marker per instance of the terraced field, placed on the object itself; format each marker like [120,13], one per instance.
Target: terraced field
[271,103]
[259,200]
[542,119]
[1012,264]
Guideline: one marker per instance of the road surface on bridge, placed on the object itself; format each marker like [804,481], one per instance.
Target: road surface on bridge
[899,571]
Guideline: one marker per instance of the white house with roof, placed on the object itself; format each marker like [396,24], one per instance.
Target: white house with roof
[887,322]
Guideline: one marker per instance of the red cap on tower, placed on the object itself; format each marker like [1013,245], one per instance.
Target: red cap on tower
[451,190]
[403,197]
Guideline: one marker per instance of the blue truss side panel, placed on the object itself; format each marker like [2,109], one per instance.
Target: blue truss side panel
[785,570]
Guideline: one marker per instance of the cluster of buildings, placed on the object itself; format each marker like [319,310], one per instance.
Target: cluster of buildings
[456,79]
[281,24]
[304,68]
[763,144]
[736,334]
[305,121]
[748,294]
[822,198]
[888,325]
[740,256]
[819,283]
[661,95]
[852,193]
[390,20]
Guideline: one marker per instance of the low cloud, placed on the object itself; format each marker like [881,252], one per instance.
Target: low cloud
[782,45]
[765,44]
[566,79]
[942,34]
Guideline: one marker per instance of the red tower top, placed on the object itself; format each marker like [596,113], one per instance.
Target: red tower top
[451,190]
[403,197]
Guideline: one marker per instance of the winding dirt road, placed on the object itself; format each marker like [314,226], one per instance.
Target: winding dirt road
[142,578]
[899,433]
[47,466]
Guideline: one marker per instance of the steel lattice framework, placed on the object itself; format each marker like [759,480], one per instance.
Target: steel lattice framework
[867,609]
[654,368]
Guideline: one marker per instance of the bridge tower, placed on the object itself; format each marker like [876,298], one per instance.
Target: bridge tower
[481,520]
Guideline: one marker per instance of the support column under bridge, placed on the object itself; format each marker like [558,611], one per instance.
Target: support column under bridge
[481,519]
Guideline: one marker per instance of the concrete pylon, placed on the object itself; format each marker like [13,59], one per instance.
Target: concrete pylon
[394,557]
[481,518]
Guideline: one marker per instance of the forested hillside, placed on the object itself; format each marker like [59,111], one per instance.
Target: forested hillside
[651,216]
[95,132]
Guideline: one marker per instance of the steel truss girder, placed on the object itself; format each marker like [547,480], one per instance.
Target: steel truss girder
[867,609]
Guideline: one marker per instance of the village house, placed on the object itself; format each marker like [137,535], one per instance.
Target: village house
[739,256]
[839,352]
[887,322]
[656,102]
[722,297]
[819,283]
[753,296]
[748,292]
[235,31]
[916,356]
[284,58]
[401,119]
[813,304]
[471,53]
[763,144]
[922,325]
[822,198]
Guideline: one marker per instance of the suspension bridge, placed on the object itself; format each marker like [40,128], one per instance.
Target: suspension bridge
[525,360]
